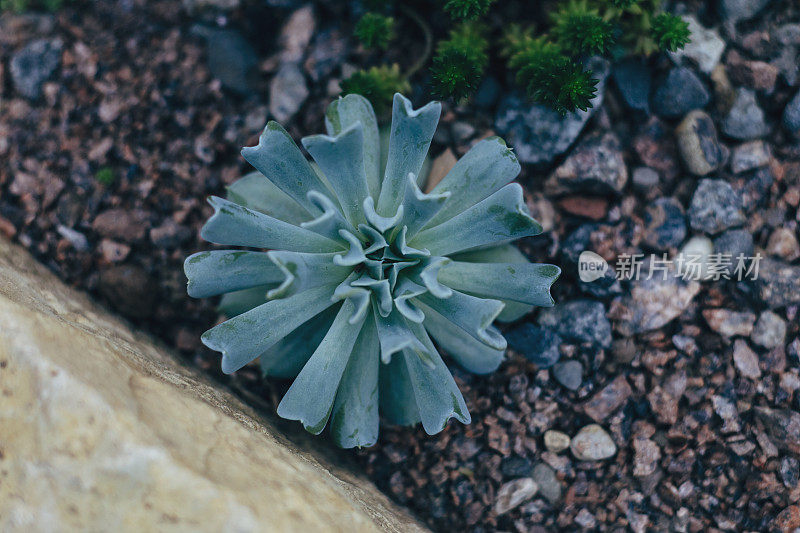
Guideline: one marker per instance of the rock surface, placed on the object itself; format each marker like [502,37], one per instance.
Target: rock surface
[103,430]
[592,443]
[34,64]
[537,132]
[715,207]
[705,48]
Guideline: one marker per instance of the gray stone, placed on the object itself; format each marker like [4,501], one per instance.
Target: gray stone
[715,207]
[769,331]
[745,120]
[579,321]
[231,59]
[287,92]
[604,287]
[736,242]
[327,53]
[698,144]
[595,165]
[790,472]
[750,155]
[549,485]
[514,493]
[791,115]
[705,47]
[569,374]
[33,65]
[538,133]
[783,426]
[633,79]
[538,345]
[679,92]
[664,224]
[592,443]
[515,466]
[736,10]
[729,323]
[778,283]
[652,303]
[645,179]
[745,359]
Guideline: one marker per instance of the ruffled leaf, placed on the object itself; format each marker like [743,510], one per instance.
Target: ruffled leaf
[397,402]
[500,218]
[235,225]
[345,112]
[473,355]
[221,271]
[279,159]
[410,138]
[354,420]
[235,303]
[505,253]
[310,398]
[418,207]
[243,338]
[341,159]
[488,166]
[473,315]
[256,192]
[523,283]
[435,391]
[395,335]
[288,356]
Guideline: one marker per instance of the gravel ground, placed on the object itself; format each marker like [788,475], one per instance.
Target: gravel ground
[654,404]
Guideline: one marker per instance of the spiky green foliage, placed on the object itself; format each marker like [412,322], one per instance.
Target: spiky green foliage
[19,6]
[377,85]
[670,32]
[460,61]
[375,30]
[580,29]
[549,76]
[467,9]
[365,271]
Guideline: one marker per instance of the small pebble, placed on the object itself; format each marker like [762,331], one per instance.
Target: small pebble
[680,92]
[715,207]
[730,323]
[556,441]
[769,331]
[783,243]
[698,144]
[569,374]
[750,155]
[745,119]
[549,485]
[746,360]
[592,443]
[514,493]
[515,466]
[665,224]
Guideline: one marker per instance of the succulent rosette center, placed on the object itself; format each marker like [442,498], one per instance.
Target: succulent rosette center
[351,275]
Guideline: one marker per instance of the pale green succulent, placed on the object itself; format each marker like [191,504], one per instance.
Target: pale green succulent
[365,271]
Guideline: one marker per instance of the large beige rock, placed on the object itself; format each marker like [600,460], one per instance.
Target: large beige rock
[102,430]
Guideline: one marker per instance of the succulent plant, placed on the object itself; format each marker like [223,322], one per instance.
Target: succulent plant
[365,271]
